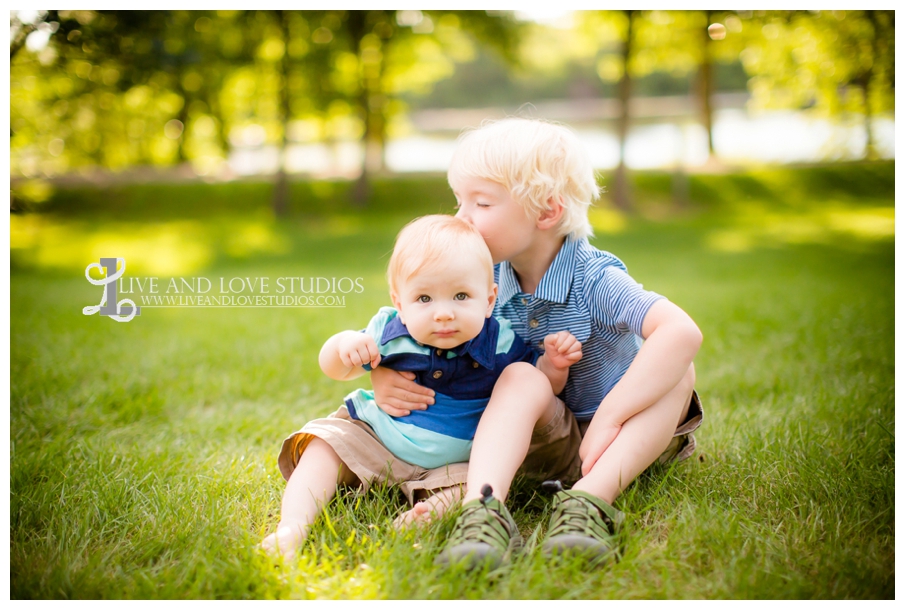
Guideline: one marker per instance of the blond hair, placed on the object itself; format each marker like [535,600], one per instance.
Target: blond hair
[426,242]
[535,160]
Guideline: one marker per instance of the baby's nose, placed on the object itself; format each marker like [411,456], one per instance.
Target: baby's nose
[443,314]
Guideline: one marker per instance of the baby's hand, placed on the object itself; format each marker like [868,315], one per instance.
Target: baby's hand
[562,349]
[357,350]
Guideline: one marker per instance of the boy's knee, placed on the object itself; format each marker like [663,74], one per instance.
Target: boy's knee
[525,377]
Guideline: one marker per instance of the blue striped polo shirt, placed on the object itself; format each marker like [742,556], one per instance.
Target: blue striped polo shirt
[589,293]
[462,379]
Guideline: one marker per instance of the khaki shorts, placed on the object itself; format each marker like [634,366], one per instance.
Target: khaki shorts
[361,451]
[553,453]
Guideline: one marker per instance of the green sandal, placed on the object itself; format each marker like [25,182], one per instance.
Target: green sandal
[583,524]
[484,533]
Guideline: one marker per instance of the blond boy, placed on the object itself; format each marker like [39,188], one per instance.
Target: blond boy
[526,186]
[442,331]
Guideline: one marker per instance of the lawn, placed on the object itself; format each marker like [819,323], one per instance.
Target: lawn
[143,455]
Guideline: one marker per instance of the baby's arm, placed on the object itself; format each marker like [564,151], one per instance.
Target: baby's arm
[561,350]
[344,353]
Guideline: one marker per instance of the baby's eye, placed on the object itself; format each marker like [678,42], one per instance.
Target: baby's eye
[424,299]
[482,205]
[461,296]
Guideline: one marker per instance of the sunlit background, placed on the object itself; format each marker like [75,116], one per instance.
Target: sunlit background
[124,97]
[233,93]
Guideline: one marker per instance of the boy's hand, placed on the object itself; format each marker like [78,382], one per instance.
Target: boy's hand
[562,349]
[358,349]
[397,394]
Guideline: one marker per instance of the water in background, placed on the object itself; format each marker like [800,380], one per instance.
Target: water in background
[664,135]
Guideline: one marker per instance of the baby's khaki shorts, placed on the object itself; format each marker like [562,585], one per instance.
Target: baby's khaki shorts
[553,453]
[362,452]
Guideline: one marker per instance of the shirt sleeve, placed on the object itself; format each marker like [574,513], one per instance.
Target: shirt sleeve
[376,327]
[522,352]
[379,322]
[518,350]
[615,300]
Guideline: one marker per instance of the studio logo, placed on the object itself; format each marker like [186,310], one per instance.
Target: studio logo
[124,310]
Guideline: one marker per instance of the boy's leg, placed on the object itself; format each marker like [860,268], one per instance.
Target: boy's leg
[485,532]
[522,400]
[311,485]
[642,440]
[584,519]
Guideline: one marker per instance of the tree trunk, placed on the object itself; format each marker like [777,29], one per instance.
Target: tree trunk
[182,117]
[622,195]
[372,109]
[705,83]
[281,185]
[870,149]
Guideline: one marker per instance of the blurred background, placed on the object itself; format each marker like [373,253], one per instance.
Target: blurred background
[748,164]
[119,115]
[228,94]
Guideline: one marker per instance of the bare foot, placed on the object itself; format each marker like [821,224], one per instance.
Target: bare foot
[284,541]
[425,511]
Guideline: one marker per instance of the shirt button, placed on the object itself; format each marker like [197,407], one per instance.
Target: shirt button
[475,365]
[533,323]
[438,374]
[439,352]
[524,301]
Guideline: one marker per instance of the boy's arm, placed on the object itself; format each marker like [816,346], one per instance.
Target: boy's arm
[343,355]
[672,340]
[397,394]
[561,350]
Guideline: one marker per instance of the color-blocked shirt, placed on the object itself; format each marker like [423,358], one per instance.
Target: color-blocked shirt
[589,293]
[462,379]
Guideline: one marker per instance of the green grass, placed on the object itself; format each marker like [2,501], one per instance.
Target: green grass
[143,455]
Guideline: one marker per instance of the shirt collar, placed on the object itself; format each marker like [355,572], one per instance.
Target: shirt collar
[556,282]
[482,348]
[508,283]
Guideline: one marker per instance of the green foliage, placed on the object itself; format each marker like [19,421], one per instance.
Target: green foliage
[143,455]
[121,88]
[822,59]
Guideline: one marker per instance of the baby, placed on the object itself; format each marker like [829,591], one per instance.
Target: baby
[441,330]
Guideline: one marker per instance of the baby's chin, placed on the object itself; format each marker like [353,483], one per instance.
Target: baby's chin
[444,342]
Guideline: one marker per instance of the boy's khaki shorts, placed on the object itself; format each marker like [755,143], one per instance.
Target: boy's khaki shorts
[553,453]
[361,451]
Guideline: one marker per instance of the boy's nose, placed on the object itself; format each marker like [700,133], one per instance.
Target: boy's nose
[443,314]
[461,215]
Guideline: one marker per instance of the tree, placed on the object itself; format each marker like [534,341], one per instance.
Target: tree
[834,63]
[115,88]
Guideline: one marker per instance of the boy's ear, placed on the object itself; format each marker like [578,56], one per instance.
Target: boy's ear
[550,217]
[492,301]
[396,303]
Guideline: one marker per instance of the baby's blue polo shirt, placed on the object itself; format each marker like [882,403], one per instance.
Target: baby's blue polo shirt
[589,293]
[462,378]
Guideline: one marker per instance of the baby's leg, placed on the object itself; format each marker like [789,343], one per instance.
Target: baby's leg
[522,400]
[433,507]
[642,439]
[311,485]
